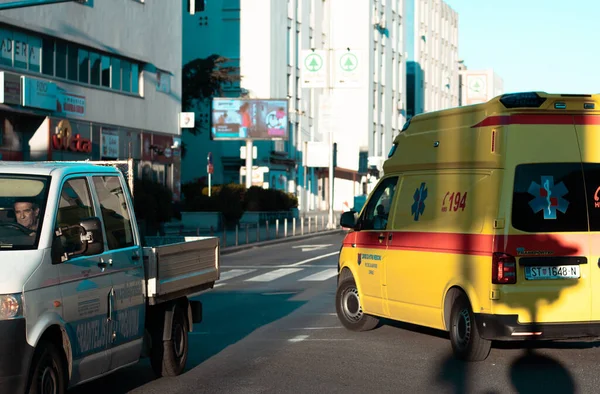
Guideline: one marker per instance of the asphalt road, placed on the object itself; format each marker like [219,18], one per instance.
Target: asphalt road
[270,327]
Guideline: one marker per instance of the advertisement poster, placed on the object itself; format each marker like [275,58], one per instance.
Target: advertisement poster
[238,119]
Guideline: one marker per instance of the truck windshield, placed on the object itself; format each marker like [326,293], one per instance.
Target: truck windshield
[22,203]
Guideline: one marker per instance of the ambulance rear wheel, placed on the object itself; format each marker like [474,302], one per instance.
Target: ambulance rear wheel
[349,308]
[466,343]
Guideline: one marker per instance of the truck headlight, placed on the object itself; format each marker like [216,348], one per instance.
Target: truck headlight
[11,306]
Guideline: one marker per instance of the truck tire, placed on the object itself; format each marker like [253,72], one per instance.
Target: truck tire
[168,358]
[467,344]
[47,370]
[349,309]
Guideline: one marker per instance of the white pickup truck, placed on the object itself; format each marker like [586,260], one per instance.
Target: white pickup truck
[80,295]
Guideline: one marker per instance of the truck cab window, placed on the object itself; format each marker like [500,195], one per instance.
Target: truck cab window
[115,212]
[375,216]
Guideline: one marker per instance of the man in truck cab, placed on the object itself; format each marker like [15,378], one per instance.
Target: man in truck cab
[27,214]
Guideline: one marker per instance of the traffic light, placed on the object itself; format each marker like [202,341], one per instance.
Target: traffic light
[194,6]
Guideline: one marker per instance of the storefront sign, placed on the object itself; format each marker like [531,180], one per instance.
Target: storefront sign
[110,143]
[10,88]
[38,93]
[64,140]
[70,104]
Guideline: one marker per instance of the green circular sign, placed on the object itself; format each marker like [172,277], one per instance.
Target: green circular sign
[313,62]
[348,62]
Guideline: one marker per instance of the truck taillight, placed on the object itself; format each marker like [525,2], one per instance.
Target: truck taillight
[504,269]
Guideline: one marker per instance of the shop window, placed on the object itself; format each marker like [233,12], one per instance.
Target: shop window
[126,75]
[135,78]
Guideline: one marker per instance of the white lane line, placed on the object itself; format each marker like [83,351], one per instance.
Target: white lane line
[313,328]
[320,276]
[314,258]
[298,338]
[272,275]
[234,273]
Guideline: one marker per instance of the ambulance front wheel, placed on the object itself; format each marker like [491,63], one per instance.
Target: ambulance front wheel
[349,308]
[467,345]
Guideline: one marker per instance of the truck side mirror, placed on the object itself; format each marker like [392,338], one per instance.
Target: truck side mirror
[348,219]
[84,238]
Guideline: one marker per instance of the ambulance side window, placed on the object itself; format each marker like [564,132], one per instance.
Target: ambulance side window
[549,197]
[375,216]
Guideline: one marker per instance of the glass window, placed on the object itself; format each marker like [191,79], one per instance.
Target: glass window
[116,73]
[35,51]
[84,66]
[115,212]
[105,71]
[592,182]
[75,203]
[48,57]
[22,203]
[126,75]
[549,197]
[95,69]
[375,215]
[72,62]
[135,78]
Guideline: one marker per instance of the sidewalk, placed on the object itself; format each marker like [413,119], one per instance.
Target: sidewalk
[250,233]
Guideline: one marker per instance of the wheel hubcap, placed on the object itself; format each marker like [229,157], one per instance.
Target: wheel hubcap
[178,339]
[463,328]
[48,381]
[351,305]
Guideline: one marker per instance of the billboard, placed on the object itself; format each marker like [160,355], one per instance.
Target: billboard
[256,119]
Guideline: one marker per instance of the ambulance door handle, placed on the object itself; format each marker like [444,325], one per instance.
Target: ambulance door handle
[381,237]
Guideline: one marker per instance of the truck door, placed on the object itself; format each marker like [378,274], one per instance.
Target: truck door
[85,288]
[124,264]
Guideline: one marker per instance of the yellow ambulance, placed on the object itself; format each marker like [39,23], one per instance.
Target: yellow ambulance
[486,224]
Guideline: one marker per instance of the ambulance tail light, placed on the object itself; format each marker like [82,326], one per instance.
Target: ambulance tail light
[522,100]
[504,269]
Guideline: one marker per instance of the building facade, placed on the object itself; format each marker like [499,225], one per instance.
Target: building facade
[478,86]
[432,48]
[98,81]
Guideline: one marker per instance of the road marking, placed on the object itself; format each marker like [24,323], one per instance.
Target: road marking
[272,275]
[234,273]
[298,338]
[314,258]
[310,248]
[322,275]
[313,328]
[262,267]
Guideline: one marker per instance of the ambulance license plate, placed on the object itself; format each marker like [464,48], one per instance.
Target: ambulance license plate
[552,272]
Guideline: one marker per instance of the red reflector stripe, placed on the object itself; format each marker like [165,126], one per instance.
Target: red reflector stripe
[550,119]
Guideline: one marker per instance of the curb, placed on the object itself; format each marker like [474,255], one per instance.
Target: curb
[234,249]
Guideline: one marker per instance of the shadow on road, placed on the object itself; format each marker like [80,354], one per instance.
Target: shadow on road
[228,317]
[537,373]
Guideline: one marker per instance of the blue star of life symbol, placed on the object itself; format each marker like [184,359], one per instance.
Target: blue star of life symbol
[548,197]
[418,206]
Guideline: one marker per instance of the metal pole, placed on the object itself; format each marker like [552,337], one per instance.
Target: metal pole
[302,225]
[248,163]
[237,234]
[267,225]
[293,227]
[308,224]
[224,236]
[257,231]
[247,234]
[285,228]
[276,228]
[209,184]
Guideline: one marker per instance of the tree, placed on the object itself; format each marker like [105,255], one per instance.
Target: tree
[204,78]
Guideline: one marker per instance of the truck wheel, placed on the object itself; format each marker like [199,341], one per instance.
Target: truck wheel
[48,371]
[169,357]
[466,343]
[349,309]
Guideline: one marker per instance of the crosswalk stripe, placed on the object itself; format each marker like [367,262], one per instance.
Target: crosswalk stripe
[322,275]
[272,275]
[234,273]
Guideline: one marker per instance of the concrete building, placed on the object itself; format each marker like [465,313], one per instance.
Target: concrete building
[97,81]
[478,86]
[371,112]
[432,48]
[264,39]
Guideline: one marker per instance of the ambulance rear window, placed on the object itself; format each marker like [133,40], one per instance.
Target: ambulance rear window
[549,197]
[592,184]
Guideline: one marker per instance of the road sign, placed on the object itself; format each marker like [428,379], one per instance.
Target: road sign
[314,68]
[210,169]
[186,120]
[348,68]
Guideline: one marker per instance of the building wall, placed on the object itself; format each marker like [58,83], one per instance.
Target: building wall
[145,33]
